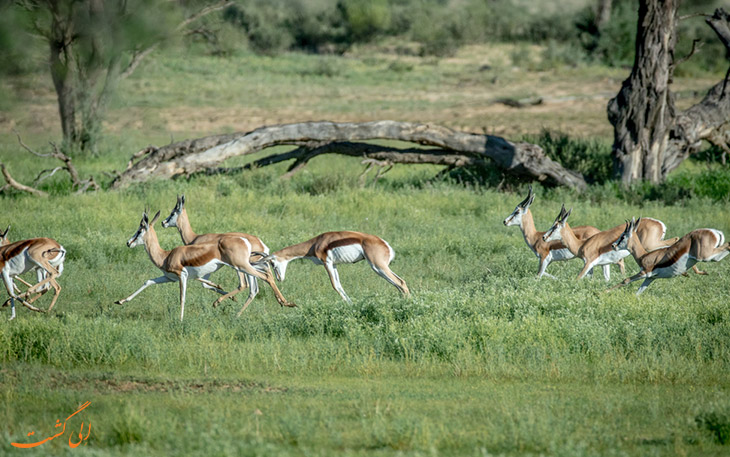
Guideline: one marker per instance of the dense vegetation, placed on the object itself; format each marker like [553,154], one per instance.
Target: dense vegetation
[484,359]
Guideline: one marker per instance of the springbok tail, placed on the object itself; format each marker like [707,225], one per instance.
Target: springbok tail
[48,252]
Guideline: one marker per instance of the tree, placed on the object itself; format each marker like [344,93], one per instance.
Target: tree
[651,138]
[93,45]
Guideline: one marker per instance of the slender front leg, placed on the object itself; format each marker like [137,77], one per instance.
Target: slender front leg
[544,262]
[698,271]
[606,272]
[636,277]
[335,280]
[183,287]
[149,282]
[644,285]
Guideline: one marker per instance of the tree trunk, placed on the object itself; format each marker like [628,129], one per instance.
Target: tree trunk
[643,111]
[195,156]
[62,74]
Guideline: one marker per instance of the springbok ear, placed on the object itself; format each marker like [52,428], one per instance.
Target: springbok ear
[531,198]
[154,219]
[182,200]
[565,217]
[5,233]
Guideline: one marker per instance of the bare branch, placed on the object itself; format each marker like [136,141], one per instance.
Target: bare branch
[26,147]
[16,185]
[141,54]
[688,16]
[40,176]
[696,46]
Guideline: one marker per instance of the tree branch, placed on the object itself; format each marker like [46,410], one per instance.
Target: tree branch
[196,156]
[16,185]
[138,56]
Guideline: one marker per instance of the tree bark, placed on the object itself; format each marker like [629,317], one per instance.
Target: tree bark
[195,156]
[650,137]
[59,40]
[643,111]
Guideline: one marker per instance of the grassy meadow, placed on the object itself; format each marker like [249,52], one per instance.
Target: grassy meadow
[484,359]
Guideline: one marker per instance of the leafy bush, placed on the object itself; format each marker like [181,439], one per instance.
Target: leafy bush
[717,424]
[591,157]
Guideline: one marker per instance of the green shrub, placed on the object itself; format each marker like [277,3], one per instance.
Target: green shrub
[591,157]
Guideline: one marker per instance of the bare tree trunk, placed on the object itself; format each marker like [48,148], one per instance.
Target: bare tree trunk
[59,40]
[643,111]
[200,155]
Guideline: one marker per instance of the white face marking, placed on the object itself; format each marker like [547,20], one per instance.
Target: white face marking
[137,238]
[515,218]
[171,220]
[279,268]
[554,234]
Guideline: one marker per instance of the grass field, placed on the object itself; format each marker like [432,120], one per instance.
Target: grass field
[484,359]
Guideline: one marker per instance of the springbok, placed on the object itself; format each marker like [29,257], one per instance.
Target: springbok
[179,218]
[333,248]
[548,251]
[701,245]
[195,261]
[597,249]
[44,255]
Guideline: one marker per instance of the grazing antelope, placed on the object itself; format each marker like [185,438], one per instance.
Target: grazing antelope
[548,251]
[597,249]
[195,261]
[332,248]
[702,245]
[44,255]
[179,218]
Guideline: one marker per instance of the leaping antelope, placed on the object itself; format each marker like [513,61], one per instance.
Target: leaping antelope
[179,218]
[195,261]
[548,251]
[597,249]
[43,254]
[702,245]
[333,248]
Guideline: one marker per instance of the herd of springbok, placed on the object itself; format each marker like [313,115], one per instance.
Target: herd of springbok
[202,255]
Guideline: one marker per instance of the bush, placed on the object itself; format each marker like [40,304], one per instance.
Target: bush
[591,157]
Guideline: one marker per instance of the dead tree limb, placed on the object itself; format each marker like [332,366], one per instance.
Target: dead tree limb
[202,155]
[21,187]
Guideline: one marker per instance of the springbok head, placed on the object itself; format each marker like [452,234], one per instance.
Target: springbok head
[622,243]
[171,220]
[556,231]
[144,227]
[516,217]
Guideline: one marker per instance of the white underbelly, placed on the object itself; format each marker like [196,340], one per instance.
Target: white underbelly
[611,256]
[557,255]
[202,270]
[19,264]
[346,254]
[677,268]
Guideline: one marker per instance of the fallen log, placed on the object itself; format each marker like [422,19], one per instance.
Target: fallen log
[314,138]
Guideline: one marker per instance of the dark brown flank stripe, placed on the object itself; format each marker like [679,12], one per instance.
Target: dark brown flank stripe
[16,248]
[199,260]
[674,258]
[605,248]
[342,242]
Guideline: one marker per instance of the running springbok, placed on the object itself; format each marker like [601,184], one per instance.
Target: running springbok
[195,261]
[597,249]
[333,248]
[701,245]
[548,251]
[179,218]
[42,254]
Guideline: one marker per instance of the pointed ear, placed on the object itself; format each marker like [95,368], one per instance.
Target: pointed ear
[5,233]
[154,219]
[565,217]
[531,198]
[182,200]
